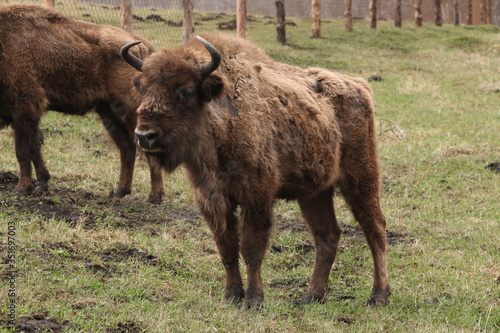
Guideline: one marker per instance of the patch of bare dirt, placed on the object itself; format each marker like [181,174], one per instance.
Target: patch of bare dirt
[50,208]
[230,25]
[40,323]
[346,319]
[8,181]
[212,17]
[105,270]
[495,167]
[87,209]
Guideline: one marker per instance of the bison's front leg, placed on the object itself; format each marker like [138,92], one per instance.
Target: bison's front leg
[319,214]
[157,191]
[257,221]
[227,241]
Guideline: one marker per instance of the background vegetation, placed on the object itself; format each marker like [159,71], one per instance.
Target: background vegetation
[88,263]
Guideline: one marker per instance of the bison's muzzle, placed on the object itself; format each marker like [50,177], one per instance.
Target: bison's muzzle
[148,141]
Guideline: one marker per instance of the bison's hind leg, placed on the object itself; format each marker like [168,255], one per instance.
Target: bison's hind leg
[28,143]
[119,121]
[318,211]
[362,195]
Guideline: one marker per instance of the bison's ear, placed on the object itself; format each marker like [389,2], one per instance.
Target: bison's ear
[137,84]
[211,87]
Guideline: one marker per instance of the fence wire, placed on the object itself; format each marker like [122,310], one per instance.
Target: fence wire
[160,21]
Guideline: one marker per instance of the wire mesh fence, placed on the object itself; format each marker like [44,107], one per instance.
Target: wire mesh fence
[161,21]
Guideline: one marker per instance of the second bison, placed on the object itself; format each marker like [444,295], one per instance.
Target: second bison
[52,62]
[249,130]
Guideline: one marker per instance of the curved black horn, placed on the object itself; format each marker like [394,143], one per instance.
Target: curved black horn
[131,59]
[214,53]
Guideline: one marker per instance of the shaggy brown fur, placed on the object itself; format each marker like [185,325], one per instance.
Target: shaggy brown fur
[255,130]
[52,62]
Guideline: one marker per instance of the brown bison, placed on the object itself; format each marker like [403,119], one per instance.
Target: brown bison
[52,62]
[249,130]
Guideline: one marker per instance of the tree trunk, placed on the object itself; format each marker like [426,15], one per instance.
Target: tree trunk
[316,18]
[49,3]
[439,13]
[469,12]
[188,20]
[241,18]
[456,11]
[398,15]
[418,13]
[280,21]
[373,14]
[348,15]
[126,15]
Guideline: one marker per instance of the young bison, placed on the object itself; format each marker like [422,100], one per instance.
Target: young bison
[249,130]
[52,62]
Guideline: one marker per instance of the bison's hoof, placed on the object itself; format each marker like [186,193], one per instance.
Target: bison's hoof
[41,189]
[119,193]
[155,199]
[312,298]
[379,297]
[23,189]
[253,301]
[235,295]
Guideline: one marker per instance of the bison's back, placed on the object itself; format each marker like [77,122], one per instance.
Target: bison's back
[283,132]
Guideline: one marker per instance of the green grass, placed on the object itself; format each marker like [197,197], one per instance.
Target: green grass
[95,264]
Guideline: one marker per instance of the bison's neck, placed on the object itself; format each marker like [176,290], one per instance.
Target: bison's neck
[202,169]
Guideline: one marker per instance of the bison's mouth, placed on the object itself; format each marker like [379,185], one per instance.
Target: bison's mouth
[150,142]
[151,151]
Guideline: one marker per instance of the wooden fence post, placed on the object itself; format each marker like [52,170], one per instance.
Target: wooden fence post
[188,20]
[280,21]
[469,12]
[485,11]
[488,11]
[439,13]
[373,14]
[316,18]
[348,14]
[126,14]
[398,15]
[418,13]
[241,18]
[456,12]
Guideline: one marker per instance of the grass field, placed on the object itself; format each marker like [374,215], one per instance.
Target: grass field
[88,263]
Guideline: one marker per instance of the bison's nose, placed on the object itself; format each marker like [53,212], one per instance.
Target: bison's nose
[147,139]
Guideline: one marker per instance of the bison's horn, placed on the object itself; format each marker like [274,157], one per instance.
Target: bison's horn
[214,53]
[131,59]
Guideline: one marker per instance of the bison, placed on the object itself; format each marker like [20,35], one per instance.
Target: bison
[250,130]
[52,62]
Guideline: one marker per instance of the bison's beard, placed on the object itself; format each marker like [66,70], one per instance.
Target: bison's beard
[167,159]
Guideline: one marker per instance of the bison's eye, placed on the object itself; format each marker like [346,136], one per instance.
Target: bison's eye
[185,95]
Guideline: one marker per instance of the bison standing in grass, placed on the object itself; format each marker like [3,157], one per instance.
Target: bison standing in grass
[52,62]
[249,130]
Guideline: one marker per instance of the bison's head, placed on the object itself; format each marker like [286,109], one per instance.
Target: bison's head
[175,86]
